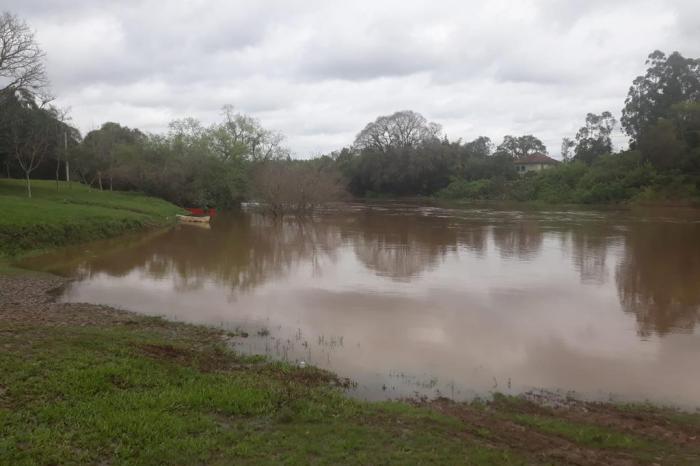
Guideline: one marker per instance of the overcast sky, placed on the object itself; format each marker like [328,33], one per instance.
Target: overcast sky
[318,71]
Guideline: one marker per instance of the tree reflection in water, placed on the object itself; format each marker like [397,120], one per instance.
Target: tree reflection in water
[656,262]
[400,246]
[658,277]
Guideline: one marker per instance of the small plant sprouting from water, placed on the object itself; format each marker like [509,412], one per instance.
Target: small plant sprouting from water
[238,332]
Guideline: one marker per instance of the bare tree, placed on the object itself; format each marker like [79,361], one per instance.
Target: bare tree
[32,132]
[297,187]
[21,59]
[401,130]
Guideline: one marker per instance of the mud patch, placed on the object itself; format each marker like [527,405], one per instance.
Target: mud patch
[165,352]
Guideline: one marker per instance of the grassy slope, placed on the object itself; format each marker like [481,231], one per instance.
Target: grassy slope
[71,214]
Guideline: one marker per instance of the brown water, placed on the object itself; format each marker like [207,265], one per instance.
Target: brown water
[409,299]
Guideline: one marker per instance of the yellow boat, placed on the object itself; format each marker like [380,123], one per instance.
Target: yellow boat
[193,219]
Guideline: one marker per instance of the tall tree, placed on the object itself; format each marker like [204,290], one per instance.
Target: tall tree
[567,146]
[21,59]
[668,81]
[661,145]
[521,146]
[479,147]
[593,139]
[22,78]
[101,144]
[242,136]
[401,130]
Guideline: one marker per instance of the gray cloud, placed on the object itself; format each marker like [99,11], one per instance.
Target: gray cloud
[319,71]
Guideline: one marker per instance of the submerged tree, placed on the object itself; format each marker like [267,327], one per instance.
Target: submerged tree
[286,186]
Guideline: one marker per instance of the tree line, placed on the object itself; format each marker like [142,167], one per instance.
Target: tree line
[405,155]
[237,159]
[191,164]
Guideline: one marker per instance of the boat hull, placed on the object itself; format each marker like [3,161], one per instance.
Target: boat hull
[193,219]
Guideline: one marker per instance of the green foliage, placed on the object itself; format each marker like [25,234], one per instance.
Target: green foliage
[593,139]
[420,171]
[463,189]
[669,81]
[192,165]
[521,146]
[625,177]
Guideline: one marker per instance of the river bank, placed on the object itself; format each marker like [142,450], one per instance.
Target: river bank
[63,214]
[87,384]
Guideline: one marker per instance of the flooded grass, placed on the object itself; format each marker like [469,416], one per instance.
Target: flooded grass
[130,395]
[87,384]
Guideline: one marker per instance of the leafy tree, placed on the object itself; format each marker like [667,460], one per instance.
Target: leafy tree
[243,136]
[100,146]
[521,146]
[661,146]
[479,147]
[403,129]
[593,139]
[686,117]
[668,81]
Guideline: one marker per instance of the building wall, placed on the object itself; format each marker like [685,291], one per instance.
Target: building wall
[531,167]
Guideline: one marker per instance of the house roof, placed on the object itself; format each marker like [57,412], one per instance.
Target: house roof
[535,158]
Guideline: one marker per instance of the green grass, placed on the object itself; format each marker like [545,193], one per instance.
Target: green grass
[71,214]
[88,395]
[141,390]
[584,434]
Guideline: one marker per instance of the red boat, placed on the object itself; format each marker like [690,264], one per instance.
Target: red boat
[201,212]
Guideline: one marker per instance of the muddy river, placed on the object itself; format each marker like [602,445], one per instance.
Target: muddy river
[412,299]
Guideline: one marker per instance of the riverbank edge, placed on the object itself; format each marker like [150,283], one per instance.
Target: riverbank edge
[466,202]
[505,430]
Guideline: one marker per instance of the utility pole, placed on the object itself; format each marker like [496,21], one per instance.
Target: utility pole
[65,153]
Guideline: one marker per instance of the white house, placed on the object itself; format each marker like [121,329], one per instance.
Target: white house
[534,163]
